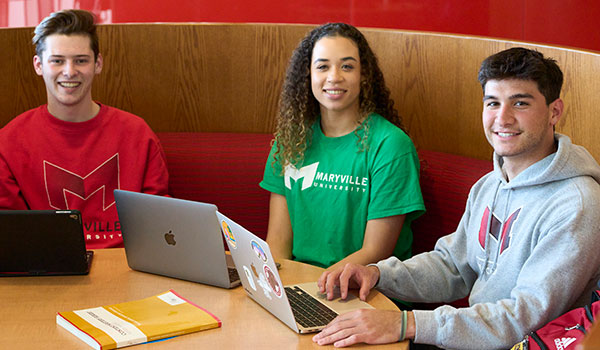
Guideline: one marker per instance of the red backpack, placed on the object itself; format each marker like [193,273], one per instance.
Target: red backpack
[564,332]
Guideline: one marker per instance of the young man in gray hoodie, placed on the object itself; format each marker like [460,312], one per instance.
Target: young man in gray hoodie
[527,248]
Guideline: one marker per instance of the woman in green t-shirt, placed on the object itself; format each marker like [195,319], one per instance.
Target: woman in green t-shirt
[343,175]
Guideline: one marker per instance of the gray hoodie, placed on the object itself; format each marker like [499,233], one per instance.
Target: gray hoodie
[541,258]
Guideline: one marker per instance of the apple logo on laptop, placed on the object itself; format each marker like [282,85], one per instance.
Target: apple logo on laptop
[170,238]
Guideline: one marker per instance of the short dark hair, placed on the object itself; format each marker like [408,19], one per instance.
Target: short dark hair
[524,64]
[67,22]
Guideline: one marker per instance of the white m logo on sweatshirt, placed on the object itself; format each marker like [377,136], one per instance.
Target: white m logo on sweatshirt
[62,184]
[307,172]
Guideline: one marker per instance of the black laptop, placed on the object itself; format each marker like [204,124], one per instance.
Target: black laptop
[42,242]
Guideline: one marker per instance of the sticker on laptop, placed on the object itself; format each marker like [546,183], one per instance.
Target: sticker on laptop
[273,283]
[262,282]
[249,277]
[228,234]
[260,253]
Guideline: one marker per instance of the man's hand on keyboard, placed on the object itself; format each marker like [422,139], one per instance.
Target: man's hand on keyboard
[362,326]
[350,276]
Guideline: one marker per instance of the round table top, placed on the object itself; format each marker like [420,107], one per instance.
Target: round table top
[30,304]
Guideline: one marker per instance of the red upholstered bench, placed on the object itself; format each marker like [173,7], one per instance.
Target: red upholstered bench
[222,169]
[445,183]
[225,169]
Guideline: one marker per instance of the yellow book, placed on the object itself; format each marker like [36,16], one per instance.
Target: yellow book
[161,316]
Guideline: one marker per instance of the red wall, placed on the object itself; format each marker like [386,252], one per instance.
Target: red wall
[569,23]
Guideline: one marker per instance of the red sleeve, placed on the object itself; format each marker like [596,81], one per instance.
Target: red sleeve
[156,176]
[10,193]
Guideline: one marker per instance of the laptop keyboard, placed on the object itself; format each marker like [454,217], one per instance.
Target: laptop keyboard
[308,311]
[233,274]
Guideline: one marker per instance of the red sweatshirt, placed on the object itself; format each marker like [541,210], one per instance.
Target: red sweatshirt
[47,163]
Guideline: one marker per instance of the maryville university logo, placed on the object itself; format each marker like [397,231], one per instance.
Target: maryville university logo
[330,181]
[61,184]
[563,343]
[306,173]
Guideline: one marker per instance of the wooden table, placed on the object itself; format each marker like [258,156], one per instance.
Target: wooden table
[28,307]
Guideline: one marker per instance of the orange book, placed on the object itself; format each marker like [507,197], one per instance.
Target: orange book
[161,316]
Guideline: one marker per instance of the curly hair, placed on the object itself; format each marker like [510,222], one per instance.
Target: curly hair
[299,109]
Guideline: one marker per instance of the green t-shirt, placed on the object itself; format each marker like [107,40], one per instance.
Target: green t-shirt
[339,187]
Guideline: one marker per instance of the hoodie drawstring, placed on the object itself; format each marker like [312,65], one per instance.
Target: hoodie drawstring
[488,228]
[500,237]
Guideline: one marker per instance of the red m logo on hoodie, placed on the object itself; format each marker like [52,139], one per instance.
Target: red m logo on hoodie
[500,232]
[60,182]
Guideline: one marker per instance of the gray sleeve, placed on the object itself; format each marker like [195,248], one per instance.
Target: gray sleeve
[441,275]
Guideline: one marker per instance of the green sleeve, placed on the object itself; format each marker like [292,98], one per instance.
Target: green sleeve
[273,180]
[395,188]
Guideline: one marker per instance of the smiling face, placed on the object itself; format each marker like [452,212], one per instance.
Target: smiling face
[518,123]
[68,68]
[335,76]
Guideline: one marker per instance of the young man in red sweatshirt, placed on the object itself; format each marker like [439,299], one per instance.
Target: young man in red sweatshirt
[72,152]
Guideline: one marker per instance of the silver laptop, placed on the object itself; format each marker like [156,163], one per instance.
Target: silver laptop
[175,238]
[301,307]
